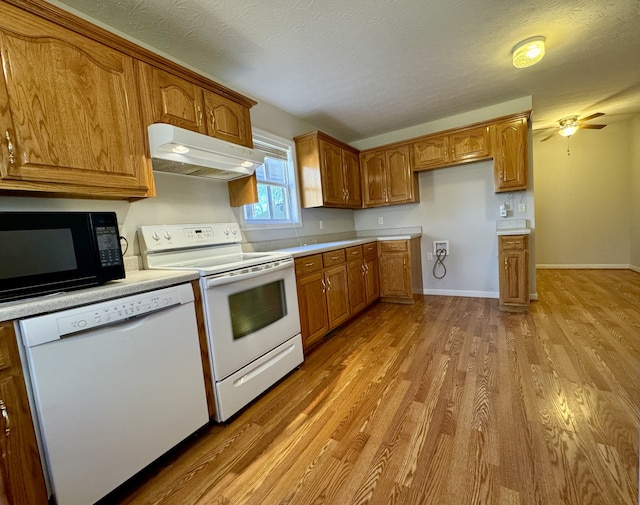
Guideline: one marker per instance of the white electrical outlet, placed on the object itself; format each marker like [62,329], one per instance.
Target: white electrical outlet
[522,208]
[430,256]
[380,220]
[503,210]
[321,224]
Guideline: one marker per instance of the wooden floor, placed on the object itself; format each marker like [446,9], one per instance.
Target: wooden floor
[447,401]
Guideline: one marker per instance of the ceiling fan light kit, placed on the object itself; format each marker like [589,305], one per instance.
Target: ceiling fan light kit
[568,125]
[528,52]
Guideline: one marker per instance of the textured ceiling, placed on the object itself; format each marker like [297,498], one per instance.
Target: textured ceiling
[359,68]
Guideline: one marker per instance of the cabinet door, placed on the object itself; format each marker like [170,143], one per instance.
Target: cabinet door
[351,176]
[372,279]
[395,275]
[171,99]
[337,295]
[374,181]
[431,152]
[514,280]
[21,473]
[312,303]
[470,144]
[399,176]
[510,155]
[331,169]
[356,281]
[69,110]
[227,120]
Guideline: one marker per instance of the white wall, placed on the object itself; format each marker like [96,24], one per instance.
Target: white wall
[583,200]
[635,192]
[457,204]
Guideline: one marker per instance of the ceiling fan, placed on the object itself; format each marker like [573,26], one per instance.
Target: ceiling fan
[571,124]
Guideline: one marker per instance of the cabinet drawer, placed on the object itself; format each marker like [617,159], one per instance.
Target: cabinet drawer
[308,264]
[370,249]
[333,257]
[394,246]
[353,253]
[512,243]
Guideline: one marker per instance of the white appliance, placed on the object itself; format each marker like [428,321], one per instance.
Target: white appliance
[180,151]
[115,385]
[250,305]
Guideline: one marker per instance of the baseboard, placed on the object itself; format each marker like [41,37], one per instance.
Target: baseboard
[461,292]
[635,269]
[603,266]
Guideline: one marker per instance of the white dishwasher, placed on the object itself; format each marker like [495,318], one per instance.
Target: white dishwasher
[115,385]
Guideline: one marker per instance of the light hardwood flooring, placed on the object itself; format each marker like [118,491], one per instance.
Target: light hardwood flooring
[447,401]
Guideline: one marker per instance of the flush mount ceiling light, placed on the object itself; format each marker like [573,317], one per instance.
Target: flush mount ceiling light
[528,52]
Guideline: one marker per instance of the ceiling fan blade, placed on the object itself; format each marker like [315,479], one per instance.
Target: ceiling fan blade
[549,136]
[592,126]
[592,116]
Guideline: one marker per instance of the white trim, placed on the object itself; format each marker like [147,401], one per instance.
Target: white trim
[603,266]
[461,292]
[634,268]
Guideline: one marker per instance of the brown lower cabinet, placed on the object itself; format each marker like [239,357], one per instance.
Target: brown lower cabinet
[21,477]
[334,286]
[513,251]
[400,270]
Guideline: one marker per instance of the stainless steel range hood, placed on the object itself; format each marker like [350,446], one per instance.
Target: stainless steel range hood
[179,151]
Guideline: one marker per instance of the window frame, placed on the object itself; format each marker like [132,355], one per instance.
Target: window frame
[294,197]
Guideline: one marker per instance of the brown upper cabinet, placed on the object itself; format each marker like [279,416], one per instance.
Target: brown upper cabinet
[510,154]
[69,114]
[167,98]
[329,172]
[387,178]
[77,125]
[459,146]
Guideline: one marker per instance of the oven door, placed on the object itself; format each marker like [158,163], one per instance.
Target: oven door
[249,313]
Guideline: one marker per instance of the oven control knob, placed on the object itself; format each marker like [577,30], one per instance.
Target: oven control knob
[226,232]
[234,231]
[155,236]
[167,235]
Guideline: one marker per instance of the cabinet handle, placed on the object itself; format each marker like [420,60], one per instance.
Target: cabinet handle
[12,160]
[404,262]
[308,264]
[506,266]
[199,115]
[324,286]
[364,269]
[328,285]
[5,417]
[213,121]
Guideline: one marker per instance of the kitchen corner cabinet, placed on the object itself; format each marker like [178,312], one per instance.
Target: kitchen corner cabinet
[21,477]
[69,113]
[167,98]
[387,177]
[400,270]
[510,154]
[328,171]
[513,253]
[459,146]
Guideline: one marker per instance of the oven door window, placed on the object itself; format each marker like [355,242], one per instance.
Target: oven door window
[257,307]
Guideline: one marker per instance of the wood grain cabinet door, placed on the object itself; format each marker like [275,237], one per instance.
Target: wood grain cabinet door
[69,111]
[374,179]
[351,177]
[372,279]
[399,176]
[333,189]
[20,470]
[312,303]
[469,144]
[431,152]
[356,281]
[170,99]
[510,155]
[337,295]
[227,120]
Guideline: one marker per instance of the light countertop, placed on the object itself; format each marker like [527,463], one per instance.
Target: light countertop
[137,281]
[514,231]
[308,249]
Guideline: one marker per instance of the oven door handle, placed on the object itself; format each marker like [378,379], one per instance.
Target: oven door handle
[228,279]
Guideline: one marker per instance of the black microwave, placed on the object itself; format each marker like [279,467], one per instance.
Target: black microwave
[48,252]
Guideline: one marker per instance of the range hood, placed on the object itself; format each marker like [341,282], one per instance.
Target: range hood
[179,151]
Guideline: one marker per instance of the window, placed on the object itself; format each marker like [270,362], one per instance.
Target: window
[277,197]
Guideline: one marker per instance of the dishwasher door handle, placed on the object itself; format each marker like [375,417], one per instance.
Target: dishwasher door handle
[235,277]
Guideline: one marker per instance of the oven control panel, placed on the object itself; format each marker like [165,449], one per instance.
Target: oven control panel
[157,238]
